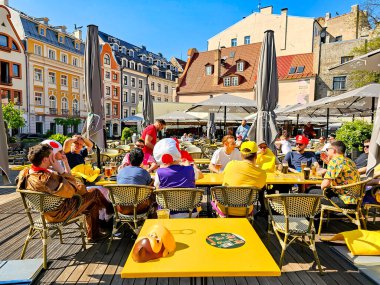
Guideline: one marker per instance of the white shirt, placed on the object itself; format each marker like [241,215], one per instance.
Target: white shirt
[221,157]
[326,146]
[285,146]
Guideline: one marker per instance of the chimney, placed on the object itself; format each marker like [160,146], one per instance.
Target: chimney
[355,8]
[61,28]
[283,28]
[4,2]
[217,66]
[45,20]
[328,16]
[78,34]
[266,10]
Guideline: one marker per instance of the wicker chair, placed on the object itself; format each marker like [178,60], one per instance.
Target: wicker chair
[295,220]
[39,202]
[375,207]
[128,195]
[230,196]
[179,199]
[356,190]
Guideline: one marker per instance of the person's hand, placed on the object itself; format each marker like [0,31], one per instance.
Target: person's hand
[55,164]
[64,158]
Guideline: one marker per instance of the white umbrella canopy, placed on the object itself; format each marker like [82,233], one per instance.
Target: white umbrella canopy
[178,116]
[366,62]
[374,147]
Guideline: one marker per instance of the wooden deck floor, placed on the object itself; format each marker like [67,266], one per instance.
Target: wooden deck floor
[69,265]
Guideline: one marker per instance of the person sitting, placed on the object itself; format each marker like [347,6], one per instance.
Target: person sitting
[284,144]
[190,138]
[239,141]
[75,151]
[340,171]
[242,130]
[62,184]
[225,154]
[184,137]
[266,160]
[320,144]
[243,173]
[148,162]
[361,161]
[136,175]
[59,154]
[308,131]
[295,158]
[331,139]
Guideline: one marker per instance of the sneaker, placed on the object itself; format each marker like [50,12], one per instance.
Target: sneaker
[98,238]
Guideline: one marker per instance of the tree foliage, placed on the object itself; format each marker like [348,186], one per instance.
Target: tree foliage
[126,133]
[373,9]
[354,133]
[59,137]
[13,117]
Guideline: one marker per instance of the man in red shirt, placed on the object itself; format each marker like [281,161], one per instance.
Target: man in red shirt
[149,135]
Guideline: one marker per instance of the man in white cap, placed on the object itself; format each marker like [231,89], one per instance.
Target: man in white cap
[58,153]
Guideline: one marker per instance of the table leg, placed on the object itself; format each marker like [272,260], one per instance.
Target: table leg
[193,280]
[209,208]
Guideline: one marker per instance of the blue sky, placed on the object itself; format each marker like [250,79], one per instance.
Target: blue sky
[167,26]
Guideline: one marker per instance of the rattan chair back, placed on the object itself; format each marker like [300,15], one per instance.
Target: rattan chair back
[295,205]
[128,194]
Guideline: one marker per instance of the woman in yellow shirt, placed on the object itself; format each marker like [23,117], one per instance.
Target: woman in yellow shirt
[266,159]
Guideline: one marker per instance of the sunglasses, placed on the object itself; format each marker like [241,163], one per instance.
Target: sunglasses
[263,147]
[139,145]
[299,144]
[366,146]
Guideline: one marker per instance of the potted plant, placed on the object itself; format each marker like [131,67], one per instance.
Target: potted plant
[126,134]
[353,134]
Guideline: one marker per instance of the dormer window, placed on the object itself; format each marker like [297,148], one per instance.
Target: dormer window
[164,65]
[131,53]
[227,81]
[231,81]
[208,69]
[107,59]
[300,69]
[240,66]
[140,67]
[124,50]
[124,62]
[158,62]
[61,39]
[77,45]
[151,60]
[131,65]
[292,70]
[115,47]
[42,31]
[168,75]
[143,57]
[235,81]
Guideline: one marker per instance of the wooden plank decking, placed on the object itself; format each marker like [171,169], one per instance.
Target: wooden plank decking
[68,264]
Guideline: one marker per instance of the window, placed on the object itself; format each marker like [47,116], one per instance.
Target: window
[115,109]
[125,111]
[247,40]
[166,89]
[140,68]
[240,66]
[300,69]
[17,97]
[75,105]
[168,76]
[75,83]
[227,81]
[124,62]
[133,82]
[125,80]
[115,93]
[38,75]
[140,97]
[16,70]
[292,70]
[150,60]
[107,59]
[158,62]
[37,50]
[131,53]
[77,46]
[38,98]
[153,98]
[64,104]
[60,39]
[140,84]
[166,100]
[114,76]
[208,70]
[124,50]
[125,96]
[152,86]
[158,87]
[108,75]
[5,73]
[131,65]
[3,41]
[338,38]
[52,102]
[108,109]
[133,98]
[155,72]
[235,81]
[52,79]
[234,42]
[344,59]
[51,54]
[75,61]
[14,46]
[133,112]
[164,65]
[42,31]
[339,83]
[64,58]
[159,99]
[108,90]
[64,80]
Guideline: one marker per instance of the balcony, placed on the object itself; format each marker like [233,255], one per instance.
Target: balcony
[76,113]
[65,112]
[53,111]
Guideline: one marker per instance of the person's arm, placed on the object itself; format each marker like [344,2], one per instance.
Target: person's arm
[148,142]
[362,170]
[66,163]
[325,183]
[213,161]
[237,132]
[67,144]
[156,181]
[88,144]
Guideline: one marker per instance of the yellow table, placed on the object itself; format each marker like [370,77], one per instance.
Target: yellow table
[195,258]
[202,160]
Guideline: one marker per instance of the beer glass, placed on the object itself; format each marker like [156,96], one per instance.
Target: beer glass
[113,167]
[303,165]
[313,171]
[306,173]
[285,167]
[163,214]
[107,171]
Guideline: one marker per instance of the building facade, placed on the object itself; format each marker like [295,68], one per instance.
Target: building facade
[293,35]
[12,63]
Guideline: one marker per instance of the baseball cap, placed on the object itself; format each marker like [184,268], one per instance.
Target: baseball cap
[302,139]
[250,145]
[54,144]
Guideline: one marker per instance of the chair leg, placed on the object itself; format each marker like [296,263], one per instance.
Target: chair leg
[60,235]
[114,231]
[314,249]
[362,219]
[320,223]
[283,245]
[82,234]
[44,248]
[28,238]
[357,220]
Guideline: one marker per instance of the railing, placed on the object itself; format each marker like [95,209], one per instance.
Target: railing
[76,113]
[53,111]
[65,112]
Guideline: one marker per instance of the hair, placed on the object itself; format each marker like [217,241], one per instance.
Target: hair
[38,152]
[339,146]
[332,135]
[190,135]
[136,156]
[161,121]
[141,141]
[249,156]
[227,137]
[367,141]
[322,137]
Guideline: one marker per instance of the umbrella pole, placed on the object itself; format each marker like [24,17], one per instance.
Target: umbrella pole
[353,117]
[298,117]
[373,109]
[328,117]
[225,120]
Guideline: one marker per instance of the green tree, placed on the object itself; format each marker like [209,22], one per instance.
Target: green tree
[68,122]
[354,133]
[126,133]
[12,117]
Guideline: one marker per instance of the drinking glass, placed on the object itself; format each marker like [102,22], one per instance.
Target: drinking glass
[163,214]
[87,160]
[306,173]
[313,171]
[107,171]
[113,167]
[303,165]
[285,167]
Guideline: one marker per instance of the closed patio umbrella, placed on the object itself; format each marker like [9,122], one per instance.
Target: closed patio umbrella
[4,167]
[94,127]
[374,147]
[147,111]
[265,127]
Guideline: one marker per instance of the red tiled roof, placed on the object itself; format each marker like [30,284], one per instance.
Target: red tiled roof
[196,81]
[181,62]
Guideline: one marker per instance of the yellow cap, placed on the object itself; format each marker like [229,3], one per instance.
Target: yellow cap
[250,145]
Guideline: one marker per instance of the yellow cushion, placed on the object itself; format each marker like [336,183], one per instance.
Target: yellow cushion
[360,242]
[86,171]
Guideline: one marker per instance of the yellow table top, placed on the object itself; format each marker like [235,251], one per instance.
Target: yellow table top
[202,160]
[195,258]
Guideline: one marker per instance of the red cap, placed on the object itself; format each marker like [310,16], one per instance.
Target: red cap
[302,139]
